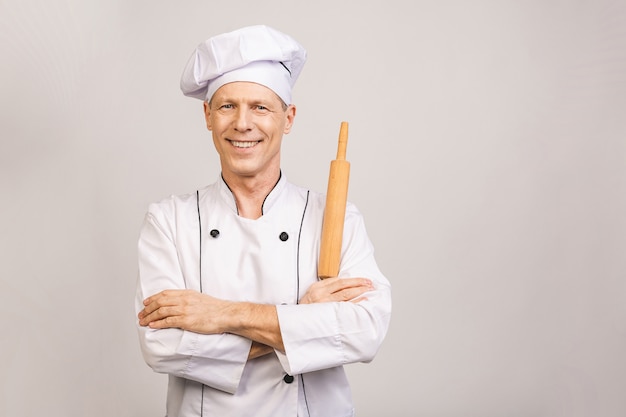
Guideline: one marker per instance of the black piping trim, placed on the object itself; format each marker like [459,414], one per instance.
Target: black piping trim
[200,278]
[231,191]
[306,204]
[285,66]
[306,402]
[202,402]
[280,175]
[200,238]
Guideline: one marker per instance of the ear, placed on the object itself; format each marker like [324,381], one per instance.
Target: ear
[290,114]
[207,115]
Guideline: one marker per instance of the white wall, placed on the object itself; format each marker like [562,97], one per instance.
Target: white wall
[487,142]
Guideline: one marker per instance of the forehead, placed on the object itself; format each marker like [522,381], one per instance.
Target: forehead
[245,91]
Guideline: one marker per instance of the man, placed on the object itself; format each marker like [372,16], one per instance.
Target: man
[228,298]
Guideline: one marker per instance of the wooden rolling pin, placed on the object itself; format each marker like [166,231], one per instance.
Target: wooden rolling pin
[335,210]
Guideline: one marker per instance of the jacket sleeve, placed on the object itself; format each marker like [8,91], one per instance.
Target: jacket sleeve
[325,335]
[214,360]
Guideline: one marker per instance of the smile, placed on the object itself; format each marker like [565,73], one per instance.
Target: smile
[244,144]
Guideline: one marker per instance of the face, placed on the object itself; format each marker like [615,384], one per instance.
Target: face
[247,121]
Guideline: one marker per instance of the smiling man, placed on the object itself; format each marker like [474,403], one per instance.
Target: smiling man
[229,303]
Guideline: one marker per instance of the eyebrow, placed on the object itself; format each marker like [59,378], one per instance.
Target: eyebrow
[249,101]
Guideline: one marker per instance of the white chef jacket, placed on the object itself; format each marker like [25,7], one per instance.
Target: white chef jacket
[270,260]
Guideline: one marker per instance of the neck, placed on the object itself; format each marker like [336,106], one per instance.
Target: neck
[250,193]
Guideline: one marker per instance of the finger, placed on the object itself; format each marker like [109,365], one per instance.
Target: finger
[164,296]
[145,319]
[149,309]
[165,323]
[351,293]
[162,299]
[159,314]
[356,282]
[346,283]
[343,295]
[154,298]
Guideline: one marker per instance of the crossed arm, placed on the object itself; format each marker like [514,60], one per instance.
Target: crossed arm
[202,313]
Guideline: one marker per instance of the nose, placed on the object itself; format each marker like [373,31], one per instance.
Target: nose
[243,120]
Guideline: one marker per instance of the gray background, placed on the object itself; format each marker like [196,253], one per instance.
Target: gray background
[487,142]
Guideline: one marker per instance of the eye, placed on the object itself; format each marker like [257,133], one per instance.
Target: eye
[226,106]
[261,107]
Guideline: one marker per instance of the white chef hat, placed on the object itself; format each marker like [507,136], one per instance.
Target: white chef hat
[257,54]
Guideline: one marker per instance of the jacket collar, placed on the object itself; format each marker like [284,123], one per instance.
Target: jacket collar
[229,198]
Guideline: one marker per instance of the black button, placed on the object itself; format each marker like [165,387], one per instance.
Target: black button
[214,233]
[283,236]
[288,379]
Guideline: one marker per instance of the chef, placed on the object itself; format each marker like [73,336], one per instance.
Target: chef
[229,303]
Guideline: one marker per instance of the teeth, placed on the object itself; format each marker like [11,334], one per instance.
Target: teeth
[244,144]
